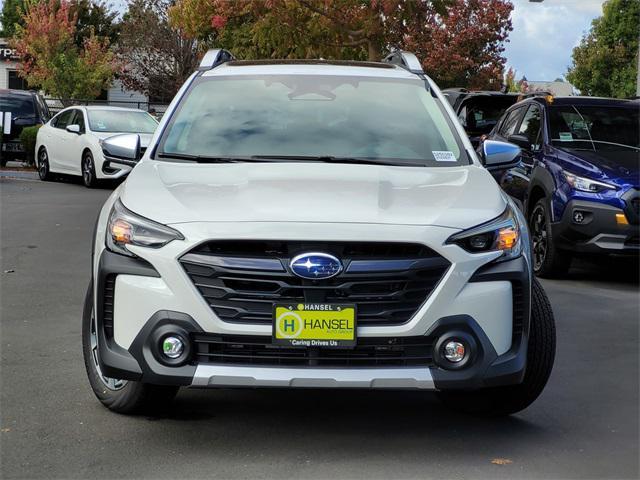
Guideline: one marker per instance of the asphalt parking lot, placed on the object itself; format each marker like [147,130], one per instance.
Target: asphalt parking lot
[585,425]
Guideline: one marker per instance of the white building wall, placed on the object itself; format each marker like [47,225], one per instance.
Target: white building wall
[117,93]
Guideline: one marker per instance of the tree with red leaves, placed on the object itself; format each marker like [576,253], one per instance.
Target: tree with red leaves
[460,42]
[51,58]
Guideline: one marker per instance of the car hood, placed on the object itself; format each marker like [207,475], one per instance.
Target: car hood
[170,193]
[620,167]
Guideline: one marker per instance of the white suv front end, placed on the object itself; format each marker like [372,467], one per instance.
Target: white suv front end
[247,250]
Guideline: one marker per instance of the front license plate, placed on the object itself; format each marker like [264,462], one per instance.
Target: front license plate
[330,325]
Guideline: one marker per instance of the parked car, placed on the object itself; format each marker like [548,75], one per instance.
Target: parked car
[578,179]
[314,224]
[27,109]
[479,111]
[70,143]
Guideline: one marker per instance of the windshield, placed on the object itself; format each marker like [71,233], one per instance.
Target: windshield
[18,105]
[121,121]
[480,114]
[595,128]
[307,117]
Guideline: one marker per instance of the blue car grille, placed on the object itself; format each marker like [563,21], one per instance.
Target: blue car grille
[242,280]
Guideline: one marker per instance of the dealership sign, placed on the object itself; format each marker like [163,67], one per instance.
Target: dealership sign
[7,53]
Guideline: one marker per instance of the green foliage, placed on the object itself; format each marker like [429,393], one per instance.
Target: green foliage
[605,63]
[28,139]
[52,60]
[10,16]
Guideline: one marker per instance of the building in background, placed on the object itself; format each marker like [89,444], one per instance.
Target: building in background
[9,62]
[557,88]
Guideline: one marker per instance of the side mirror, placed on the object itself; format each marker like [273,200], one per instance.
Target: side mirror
[74,129]
[520,140]
[124,149]
[500,155]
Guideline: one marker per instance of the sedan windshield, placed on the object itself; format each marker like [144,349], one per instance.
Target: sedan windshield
[595,127]
[121,121]
[312,118]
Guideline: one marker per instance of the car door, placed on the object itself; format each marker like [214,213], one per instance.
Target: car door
[75,142]
[55,140]
[516,180]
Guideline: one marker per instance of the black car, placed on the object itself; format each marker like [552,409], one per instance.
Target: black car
[578,178]
[479,111]
[27,109]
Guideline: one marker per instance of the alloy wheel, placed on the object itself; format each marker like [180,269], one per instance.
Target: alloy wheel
[87,170]
[539,236]
[43,164]
[111,383]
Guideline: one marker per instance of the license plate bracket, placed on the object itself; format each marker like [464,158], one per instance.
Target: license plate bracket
[326,325]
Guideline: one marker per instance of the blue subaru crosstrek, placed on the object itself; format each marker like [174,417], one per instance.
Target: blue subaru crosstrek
[578,178]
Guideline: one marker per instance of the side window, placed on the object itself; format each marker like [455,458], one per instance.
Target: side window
[78,119]
[63,119]
[530,126]
[509,124]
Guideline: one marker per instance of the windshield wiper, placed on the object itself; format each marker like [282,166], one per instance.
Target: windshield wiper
[208,159]
[332,159]
[285,158]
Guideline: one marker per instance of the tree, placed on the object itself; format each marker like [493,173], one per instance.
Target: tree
[157,58]
[51,59]
[469,33]
[94,16]
[605,63]
[11,15]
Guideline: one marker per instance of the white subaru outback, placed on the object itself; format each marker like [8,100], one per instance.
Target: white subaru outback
[314,224]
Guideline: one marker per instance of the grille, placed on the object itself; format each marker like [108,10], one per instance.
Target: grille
[258,350]
[242,280]
[107,304]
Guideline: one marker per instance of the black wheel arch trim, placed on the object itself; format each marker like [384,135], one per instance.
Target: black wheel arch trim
[540,178]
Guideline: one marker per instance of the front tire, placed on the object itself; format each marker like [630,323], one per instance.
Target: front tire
[122,396]
[548,261]
[44,171]
[89,171]
[501,401]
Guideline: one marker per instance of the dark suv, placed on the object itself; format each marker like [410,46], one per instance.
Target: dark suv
[578,177]
[27,109]
[479,111]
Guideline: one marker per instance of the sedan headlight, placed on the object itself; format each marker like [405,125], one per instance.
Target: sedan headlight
[127,228]
[503,234]
[586,184]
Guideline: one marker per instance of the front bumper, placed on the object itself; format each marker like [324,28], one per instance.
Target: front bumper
[139,359]
[600,231]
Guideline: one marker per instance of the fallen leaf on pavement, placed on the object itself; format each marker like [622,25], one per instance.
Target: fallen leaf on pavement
[501,461]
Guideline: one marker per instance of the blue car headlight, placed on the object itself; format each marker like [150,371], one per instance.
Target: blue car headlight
[586,184]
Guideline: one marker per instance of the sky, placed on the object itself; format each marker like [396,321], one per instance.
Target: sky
[544,35]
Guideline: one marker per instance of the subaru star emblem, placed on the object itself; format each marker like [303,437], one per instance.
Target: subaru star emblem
[315,266]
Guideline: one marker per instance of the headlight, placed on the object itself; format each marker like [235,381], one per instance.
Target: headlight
[586,184]
[503,234]
[127,228]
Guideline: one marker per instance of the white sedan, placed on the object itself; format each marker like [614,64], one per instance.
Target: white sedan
[70,143]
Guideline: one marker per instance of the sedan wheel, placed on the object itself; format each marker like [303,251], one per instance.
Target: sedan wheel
[88,171]
[43,165]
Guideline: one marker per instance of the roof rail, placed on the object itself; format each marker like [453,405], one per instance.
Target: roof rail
[406,60]
[215,57]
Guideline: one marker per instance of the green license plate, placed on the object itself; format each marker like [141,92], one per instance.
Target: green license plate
[331,325]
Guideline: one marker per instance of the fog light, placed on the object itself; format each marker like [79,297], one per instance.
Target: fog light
[454,351]
[172,347]
[578,216]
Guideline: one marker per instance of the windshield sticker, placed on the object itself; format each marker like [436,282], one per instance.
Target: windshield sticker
[444,156]
[566,137]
